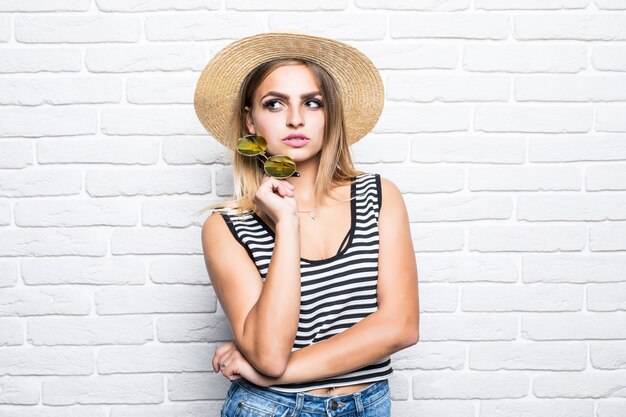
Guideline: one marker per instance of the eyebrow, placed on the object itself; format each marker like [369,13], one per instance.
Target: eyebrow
[285,97]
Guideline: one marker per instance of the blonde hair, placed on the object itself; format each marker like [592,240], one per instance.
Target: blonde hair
[335,162]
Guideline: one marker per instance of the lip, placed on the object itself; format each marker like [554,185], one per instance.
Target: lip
[296,140]
[296,135]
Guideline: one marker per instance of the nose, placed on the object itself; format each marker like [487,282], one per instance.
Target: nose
[294,117]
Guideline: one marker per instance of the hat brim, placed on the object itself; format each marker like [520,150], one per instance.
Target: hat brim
[358,80]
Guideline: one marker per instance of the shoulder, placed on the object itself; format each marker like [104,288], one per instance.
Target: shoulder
[213,220]
[372,176]
[393,217]
[391,199]
[214,228]
[388,187]
[221,239]
[217,225]
[222,225]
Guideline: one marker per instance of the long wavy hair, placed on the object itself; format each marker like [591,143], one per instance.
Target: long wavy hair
[335,161]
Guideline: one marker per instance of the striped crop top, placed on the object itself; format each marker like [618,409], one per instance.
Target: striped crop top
[336,292]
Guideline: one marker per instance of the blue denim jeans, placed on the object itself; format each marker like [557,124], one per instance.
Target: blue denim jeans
[247,400]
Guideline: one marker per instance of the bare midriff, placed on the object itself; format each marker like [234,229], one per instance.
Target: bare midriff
[346,389]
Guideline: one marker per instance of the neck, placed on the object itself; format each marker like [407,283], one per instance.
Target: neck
[305,183]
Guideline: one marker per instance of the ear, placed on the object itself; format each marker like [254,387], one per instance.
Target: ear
[249,121]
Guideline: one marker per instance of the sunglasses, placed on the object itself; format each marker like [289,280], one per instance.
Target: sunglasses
[278,166]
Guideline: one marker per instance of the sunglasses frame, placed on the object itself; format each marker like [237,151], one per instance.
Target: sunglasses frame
[264,155]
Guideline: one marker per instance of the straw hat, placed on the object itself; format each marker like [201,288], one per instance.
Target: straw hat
[357,79]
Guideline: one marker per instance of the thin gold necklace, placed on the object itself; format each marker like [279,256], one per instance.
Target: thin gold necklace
[311,213]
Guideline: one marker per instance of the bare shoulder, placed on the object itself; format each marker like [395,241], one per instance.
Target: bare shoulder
[391,197]
[218,242]
[215,238]
[219,246]
[214,228]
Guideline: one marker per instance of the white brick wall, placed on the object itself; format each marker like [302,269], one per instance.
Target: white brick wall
[504,128]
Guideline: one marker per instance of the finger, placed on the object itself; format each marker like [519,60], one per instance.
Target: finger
[215,361]
[226,363]
[216,358]
[273,181]
[285,191]
[278,188]
[232,372]
[219,354]
[281,188]
[288,188]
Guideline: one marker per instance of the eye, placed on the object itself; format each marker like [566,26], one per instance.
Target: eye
[314,104]
[271,104]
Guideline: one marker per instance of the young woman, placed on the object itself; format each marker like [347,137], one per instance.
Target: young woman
[312,262]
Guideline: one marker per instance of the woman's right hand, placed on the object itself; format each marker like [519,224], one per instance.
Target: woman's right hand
[276,198]
[234,365]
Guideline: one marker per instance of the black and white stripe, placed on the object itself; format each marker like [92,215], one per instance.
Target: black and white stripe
[336,292]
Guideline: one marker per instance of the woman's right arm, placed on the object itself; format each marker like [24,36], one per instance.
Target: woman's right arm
[263,316]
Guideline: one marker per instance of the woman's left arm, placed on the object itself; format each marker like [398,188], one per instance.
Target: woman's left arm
[393,327]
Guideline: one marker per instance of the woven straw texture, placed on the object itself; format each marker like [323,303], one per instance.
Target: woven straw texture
[357,78]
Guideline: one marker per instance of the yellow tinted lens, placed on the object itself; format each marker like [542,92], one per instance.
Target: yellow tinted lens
[280,166]
[251,145]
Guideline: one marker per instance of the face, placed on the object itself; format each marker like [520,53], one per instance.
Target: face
[288,103]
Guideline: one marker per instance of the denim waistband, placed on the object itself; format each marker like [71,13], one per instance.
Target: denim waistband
[311,403]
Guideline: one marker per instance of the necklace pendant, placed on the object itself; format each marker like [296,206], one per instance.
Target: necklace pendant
[311,215]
